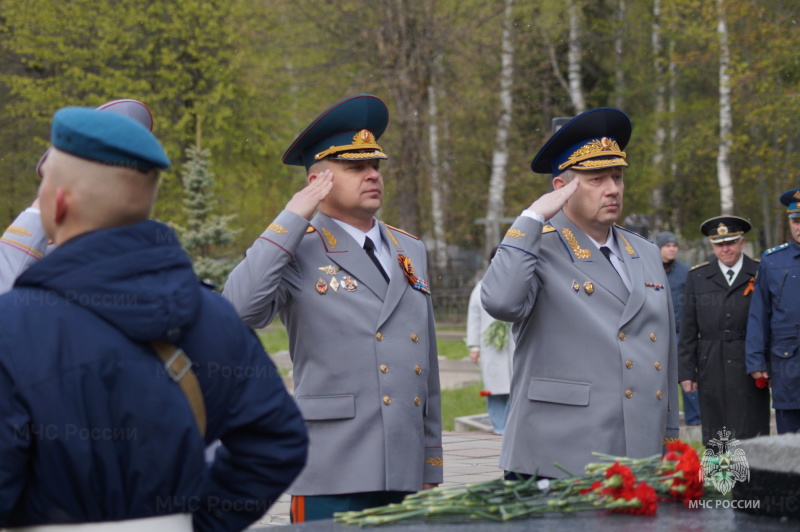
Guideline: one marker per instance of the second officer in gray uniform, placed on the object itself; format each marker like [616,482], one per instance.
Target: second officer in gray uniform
[595,360]
[353,294]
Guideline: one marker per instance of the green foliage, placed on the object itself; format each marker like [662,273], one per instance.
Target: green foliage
[274,338]
[206,236]
[496,335]
[257,71]
[464,401]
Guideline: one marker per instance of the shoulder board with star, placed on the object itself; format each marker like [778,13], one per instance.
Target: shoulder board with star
[401,231]
[548,229]
[699,265]
[311,229]
[770,251]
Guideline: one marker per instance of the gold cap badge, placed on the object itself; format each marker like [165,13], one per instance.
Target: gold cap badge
[363,141]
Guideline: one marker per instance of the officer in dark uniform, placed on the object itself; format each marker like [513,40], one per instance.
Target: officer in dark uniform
[773,327]
[712,334]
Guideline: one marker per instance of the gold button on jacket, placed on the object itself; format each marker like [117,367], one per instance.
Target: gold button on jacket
[628,393]
[384,368]
[387,400]
[417,401]
[653,337]
[659,395]
[629,364]
[622,336]
[658,366]
[379,336]
[414,337]
[418,369]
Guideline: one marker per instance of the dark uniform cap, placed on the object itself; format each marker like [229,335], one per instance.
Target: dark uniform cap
[132,108]
[346,131]
[791,198]
[725,228]
[591,141]
[108,138]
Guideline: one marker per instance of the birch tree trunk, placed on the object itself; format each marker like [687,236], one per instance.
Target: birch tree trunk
[725,118]
[574,59]
[657,197]
[673,133]
[619,41]
[497,181]
[437,203]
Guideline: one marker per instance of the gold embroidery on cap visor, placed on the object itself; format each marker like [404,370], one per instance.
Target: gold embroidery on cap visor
[584,158]
[362,141]
[724,232]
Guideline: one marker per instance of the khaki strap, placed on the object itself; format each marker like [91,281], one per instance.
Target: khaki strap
[179,368]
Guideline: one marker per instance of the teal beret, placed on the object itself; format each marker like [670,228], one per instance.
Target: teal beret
[108,138]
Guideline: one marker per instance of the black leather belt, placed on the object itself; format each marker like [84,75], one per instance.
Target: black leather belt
[725,336]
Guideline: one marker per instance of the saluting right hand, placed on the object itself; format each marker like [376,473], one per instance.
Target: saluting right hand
[306,201]
[552,202]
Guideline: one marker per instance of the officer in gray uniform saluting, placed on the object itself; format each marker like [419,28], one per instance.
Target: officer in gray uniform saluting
[353,294]
[595,360]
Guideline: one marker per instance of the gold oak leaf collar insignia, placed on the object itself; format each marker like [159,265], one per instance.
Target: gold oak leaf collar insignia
[577,250]
[330,238]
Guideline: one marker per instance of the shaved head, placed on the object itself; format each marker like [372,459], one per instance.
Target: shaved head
[78,196]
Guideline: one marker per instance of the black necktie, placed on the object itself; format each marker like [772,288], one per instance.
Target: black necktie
[730,276]
[369,246]
[607,254]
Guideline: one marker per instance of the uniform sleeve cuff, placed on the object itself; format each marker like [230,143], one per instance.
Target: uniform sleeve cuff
[532,214]
[434,466]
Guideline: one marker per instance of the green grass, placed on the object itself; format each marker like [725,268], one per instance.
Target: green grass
[274,339]
[464,401]
[452,349]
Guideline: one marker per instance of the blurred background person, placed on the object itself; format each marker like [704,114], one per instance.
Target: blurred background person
[676,274]
[490,343]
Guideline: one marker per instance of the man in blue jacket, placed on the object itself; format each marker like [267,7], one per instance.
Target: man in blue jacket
[676,275]
[773,327]
[94,427]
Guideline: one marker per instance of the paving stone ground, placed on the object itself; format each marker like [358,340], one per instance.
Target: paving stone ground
[468,457]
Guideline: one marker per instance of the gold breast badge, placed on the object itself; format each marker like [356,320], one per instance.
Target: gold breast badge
[350,284]
[588,287]
[321,286]
[330,269]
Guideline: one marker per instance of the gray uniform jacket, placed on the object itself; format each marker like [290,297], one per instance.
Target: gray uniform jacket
[364,355]
[23,243]
[595,365]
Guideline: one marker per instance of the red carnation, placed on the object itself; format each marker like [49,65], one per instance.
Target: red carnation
[686,484]
[762,382]
[647,499]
